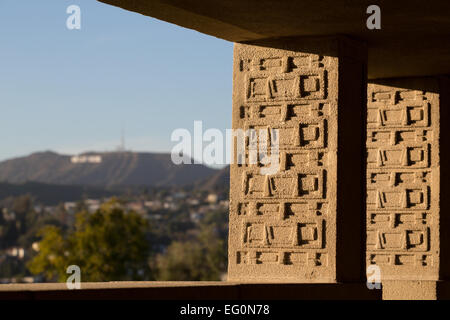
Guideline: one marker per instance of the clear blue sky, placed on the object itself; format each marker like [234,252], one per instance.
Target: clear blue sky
[73,90]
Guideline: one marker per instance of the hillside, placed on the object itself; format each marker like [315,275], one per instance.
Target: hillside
[51,194]
[115,169]
[219,181]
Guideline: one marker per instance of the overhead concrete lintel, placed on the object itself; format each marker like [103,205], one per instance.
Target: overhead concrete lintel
[165,11]
[414,40]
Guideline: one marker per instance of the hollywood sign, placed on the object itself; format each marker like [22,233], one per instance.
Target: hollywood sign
[86,159]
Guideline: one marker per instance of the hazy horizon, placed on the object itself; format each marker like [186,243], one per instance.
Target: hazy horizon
[213,166]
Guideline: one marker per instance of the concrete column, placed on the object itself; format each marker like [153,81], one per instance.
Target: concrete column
[406,232]
[304,223]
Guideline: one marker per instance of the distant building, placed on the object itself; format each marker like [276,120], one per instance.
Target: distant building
[35,246]
[50,209]
[195,216]
[27,280]
[93,204]
[136,206]
[16,252]
[224,203]
[153,205]
[193,202]
[70,207]
[8,215]
[38,208]
[212,198]
[154,216]
[180,195]
[170,206]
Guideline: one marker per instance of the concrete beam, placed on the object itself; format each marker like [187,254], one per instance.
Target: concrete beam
[414,39]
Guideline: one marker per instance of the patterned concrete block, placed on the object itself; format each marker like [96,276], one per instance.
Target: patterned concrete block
[299,224]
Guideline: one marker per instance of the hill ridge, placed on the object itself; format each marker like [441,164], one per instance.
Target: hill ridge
[117,168]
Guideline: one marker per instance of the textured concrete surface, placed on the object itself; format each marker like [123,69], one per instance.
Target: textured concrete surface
[407,187]
[409,290]
[410,30]
[300,225]
[197,290]
[403,178]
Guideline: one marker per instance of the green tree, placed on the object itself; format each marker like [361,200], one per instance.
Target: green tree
[200,260]
[107,245]
[52,259]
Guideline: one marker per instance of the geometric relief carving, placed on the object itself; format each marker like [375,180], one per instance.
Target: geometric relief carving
[398,198]
[305,133]
[286,258]
[405,238]
[275,234]
[394,157]
[280,64]
[292,161]
[300,85]
[398,260]
[267,113]
[282,210]
[396,177]
[283,185]
[281,219]
[396,137]
[401,212]
[398,116]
